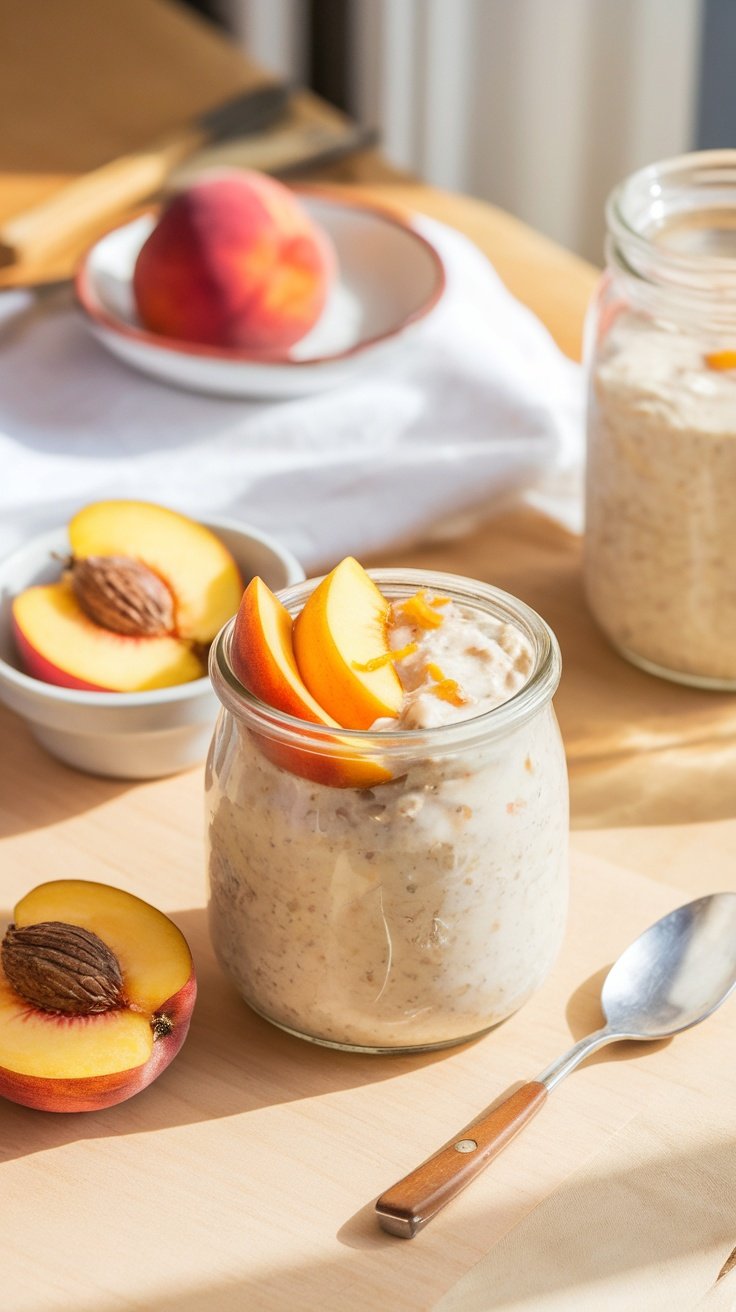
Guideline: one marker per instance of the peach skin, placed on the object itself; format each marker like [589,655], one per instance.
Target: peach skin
[262,655]
[96,994]
[234,261]
[341,648]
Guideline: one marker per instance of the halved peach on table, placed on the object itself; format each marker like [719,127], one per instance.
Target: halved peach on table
[146,589]
[97,989]
[262,657]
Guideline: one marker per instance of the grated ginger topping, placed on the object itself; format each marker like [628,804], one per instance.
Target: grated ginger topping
[721,360]
[422,612]
[377,662]
[448,690]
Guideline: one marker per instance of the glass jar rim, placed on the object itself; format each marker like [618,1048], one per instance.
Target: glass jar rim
[658,198]
[459,734]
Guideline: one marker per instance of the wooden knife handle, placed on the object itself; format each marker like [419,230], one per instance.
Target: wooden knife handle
[95,198]
[409,1204]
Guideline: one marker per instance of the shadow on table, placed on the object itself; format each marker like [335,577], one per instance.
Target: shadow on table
[232,1062]
[655,783]
[596,1228]
[36,790]
[641,750]
[584,1015]
[362,1231]
[637,1225]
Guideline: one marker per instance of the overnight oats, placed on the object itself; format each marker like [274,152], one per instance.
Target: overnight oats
[387,807]
[661,479]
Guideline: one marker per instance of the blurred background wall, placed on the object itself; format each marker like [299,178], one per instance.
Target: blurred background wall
[537,105]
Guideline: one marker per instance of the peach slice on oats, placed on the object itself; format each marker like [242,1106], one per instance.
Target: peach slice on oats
[341,648]
[262,656]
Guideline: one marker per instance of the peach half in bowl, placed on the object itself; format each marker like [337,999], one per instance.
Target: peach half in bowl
[125,735]
[389,277]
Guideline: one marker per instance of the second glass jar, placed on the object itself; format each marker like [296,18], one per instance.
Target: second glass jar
[660,539]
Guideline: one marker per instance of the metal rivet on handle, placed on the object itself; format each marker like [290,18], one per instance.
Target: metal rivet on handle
[465,1146]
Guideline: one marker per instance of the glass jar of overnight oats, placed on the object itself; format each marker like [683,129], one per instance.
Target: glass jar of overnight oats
[660,540]
[402,887]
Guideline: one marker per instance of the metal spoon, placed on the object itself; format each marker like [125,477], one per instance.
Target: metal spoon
[671,977]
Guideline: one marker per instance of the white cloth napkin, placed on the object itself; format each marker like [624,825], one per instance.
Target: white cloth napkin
[476,405]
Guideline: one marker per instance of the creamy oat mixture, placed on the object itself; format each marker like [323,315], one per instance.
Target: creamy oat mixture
[661,502]
[487,659]
[415,913]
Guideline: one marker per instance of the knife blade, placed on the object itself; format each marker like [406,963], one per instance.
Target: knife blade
[295,151]
[100,194]
[249,112]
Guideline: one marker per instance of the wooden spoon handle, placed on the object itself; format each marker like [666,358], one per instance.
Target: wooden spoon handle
[96,198]
[409,1204]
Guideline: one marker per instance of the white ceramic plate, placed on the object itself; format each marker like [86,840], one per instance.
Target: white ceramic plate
[390,277]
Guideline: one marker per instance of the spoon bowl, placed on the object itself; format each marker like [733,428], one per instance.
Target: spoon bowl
[676,973]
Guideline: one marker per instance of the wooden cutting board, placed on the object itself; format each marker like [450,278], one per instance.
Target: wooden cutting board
[245,1176]
[248,1171]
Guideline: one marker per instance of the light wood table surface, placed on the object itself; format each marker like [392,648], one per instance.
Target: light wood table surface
[245,1176]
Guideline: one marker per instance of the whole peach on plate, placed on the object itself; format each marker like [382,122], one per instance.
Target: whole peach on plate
[234,261]
[96,993]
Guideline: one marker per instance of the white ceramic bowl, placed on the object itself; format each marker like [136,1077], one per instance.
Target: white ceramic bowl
[130,735]
[390,277]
